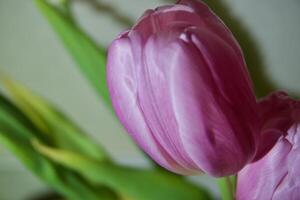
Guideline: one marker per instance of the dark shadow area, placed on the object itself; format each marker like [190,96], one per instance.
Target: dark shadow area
[254,59]
[47,196]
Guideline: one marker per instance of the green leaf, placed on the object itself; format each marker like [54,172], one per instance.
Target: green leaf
[53,125]
[17,132]
[131,183]
[90,58]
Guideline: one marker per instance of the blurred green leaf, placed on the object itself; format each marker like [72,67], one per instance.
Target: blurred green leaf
[135,184]
[17,132]
[53,125]
[90,58]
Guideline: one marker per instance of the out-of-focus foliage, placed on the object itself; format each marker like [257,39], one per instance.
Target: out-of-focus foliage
[56,128]
[21,124]
[53,148]
[130,182]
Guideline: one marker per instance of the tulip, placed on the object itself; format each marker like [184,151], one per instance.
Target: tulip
[179,85]
[275,117]
[276,175]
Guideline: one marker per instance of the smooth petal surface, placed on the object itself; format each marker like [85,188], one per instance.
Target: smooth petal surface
[122,81]
[155,99]
[179,85]
[217,130]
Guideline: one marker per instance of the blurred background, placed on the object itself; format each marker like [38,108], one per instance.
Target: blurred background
[31,53]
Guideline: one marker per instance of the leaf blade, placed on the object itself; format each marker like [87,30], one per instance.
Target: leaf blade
[55,126]
[91,58]
[143,184]
[16,134]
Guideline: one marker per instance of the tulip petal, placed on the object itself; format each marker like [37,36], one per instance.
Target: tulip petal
[165,18]
[206,92]
[155,98]
[259,180]
[289,188]
[122,67]
[275,112]
[213,23]
[276,175]
[186,13]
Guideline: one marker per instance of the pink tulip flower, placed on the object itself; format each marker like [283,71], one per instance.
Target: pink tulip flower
[179,85]
[276,175]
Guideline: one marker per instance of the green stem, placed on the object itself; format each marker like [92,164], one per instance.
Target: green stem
[227,187]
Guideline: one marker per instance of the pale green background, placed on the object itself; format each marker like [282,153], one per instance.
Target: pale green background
[31,53]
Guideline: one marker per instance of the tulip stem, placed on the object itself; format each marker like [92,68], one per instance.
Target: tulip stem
[227,187]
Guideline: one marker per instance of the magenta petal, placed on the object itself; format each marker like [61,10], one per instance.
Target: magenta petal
[267,141]
[289,187]
[155,99]
[276,111]
[276,175]
[212,119]
[121,76]
[276,116]
[179,85]
[212,22]
[260,179]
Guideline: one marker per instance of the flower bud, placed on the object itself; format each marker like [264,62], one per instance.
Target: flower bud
[179,84]
[276,175]
[275,117]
